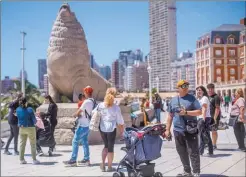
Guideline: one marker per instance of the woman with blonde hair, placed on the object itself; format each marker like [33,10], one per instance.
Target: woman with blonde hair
[111,118]
[237,114]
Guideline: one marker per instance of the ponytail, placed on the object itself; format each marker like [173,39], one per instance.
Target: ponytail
[109,97]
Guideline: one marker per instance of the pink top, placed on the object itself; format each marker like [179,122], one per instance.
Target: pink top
[39,123]
[235,109]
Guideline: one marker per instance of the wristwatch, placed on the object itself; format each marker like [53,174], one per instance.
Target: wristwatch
[185,112]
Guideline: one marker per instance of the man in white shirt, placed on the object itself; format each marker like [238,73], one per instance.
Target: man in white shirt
[82,131]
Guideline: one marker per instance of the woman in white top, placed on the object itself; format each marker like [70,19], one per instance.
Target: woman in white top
[111,118]
[204,120]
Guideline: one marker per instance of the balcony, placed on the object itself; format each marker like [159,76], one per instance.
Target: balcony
[231,83]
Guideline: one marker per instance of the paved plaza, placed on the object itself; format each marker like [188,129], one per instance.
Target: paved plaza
[227,161]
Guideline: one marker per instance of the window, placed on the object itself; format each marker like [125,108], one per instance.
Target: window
[218,79]
[218,71]
[207,53]
[232,62]
[232,71]
[232,78]
[231,40]
[218,52]
[218,62]
[217,40]
[232,52]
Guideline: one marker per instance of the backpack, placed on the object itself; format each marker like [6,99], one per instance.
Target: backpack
[87,115]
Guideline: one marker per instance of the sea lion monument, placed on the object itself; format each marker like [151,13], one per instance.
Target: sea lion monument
[68,63]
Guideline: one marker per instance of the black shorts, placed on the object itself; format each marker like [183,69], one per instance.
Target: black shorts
[109,139]
[226,104]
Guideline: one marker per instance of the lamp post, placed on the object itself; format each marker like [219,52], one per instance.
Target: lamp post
[157,83]
[23,61]
[150,86]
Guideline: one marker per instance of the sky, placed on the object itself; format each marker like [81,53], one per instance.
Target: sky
[109,27]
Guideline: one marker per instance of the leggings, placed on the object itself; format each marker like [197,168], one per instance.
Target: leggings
[109,139]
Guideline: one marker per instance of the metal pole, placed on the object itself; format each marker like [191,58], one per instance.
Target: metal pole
[150,86]
[23,66]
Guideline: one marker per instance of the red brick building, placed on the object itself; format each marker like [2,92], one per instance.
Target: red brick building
[220,58]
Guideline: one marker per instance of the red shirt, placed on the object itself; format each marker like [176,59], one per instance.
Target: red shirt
[80,103]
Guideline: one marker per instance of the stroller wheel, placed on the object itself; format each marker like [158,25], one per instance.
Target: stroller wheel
[158,174]
[118,174]
[140,174]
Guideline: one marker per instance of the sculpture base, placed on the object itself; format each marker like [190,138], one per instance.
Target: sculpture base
[63,131]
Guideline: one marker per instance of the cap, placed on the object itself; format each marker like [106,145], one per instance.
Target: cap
[182,82]
[88,90]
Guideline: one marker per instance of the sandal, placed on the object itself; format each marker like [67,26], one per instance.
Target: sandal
[112,169]
[102,167]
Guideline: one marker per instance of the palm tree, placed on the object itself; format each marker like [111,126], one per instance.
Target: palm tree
[32,94]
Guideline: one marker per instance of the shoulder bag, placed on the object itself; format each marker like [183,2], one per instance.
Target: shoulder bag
[95,120]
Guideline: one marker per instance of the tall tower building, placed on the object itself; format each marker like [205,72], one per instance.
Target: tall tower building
[42,69]
[115,73]
[163,40]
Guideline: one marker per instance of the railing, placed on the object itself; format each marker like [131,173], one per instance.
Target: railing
[234,82]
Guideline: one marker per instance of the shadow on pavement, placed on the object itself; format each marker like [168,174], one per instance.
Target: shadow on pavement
[65,151]
[226,149]
[98,164]
[47,163]
[212,175]
[54,155]
[220,155]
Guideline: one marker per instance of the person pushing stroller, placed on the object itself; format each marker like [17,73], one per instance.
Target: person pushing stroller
[44,136]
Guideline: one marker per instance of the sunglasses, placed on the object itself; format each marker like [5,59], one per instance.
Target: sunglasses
[184,86]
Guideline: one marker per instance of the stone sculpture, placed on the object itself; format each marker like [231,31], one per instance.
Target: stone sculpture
[68,63]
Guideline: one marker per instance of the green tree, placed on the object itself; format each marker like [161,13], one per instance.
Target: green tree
[32,95]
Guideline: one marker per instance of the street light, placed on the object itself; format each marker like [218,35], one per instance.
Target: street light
[157,83]
[23,61]
[150,91]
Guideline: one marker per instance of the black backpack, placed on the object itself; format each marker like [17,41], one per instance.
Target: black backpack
[88,116]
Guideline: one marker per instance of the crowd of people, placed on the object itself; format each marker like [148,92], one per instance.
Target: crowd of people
[193,118]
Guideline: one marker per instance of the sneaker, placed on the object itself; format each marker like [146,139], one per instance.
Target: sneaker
[85,162]
[50,153]
[7,153]
[112,169]
[23,162]
[40,154]
[215,147]
[35,162]
[16,153]
[102,167]
[184,174]
[196,174]
[70,163]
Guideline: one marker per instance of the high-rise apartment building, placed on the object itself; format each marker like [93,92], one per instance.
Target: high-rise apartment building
[220,58]
[183,68]
[93,63]
[42,69]
[136,77]
[163,40]
[6,84]
[46,83]
[115,73]
[127,58]
[105,71]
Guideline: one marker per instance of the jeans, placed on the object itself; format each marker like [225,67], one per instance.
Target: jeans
[188,150]
[29,132]
[158,115]
[239,131]
[204,134]
[81,135]
[14,133]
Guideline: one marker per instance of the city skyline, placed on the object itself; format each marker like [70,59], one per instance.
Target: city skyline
[108,30]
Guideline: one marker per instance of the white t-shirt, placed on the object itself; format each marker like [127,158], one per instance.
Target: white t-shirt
[204,100]
[110,117]
[88,106]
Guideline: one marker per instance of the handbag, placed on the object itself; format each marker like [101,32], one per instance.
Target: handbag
[191,125]
[233,120]
[95,120]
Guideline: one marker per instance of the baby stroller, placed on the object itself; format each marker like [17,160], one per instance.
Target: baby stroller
[142,147]
[45,136]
